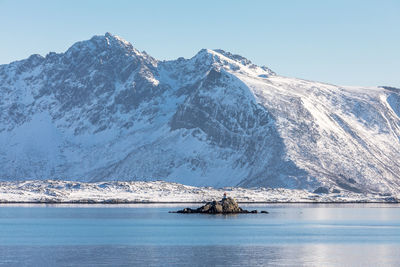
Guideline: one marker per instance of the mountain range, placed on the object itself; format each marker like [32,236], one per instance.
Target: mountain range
[105,111]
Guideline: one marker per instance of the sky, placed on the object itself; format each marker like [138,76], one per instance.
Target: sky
[344,42]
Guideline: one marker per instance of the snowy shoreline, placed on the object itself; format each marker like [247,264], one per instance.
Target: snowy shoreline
[160,192]
[187,203]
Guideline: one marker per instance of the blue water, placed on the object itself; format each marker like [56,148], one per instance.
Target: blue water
[147,235]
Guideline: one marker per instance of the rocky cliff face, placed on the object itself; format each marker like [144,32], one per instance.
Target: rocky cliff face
[105,111]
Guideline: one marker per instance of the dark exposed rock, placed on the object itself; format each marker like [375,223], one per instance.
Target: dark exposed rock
[321,190]
[390,88]
[225,206]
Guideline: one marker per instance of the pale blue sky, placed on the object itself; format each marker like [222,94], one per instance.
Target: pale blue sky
[341,42]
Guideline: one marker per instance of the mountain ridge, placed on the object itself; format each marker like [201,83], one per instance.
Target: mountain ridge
[105,111]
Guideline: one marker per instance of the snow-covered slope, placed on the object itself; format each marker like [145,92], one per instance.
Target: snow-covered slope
[105,111]
[51,191]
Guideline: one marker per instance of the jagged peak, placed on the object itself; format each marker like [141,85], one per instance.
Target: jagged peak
[221,55]
[109,43]
[228,60]
[35,59]
[103,42]
[117,39]
[235,57]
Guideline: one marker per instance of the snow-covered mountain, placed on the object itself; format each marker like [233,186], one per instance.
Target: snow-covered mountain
[105,111]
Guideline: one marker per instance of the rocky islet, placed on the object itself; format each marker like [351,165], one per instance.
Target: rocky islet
[225,206]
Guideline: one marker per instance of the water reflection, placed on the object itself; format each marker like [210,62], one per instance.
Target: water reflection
[147,235]
[289,255]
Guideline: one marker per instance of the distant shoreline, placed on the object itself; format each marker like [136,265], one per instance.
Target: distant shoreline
[177,202]
[160,192]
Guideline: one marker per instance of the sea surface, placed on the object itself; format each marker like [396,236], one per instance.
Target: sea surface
[147,235]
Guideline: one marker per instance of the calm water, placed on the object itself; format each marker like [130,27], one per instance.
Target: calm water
[147,235]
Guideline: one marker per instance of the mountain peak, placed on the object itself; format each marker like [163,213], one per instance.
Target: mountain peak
[227,60]
[235,57]
[100,43]
[109,34]
[221,55]
[117,39]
